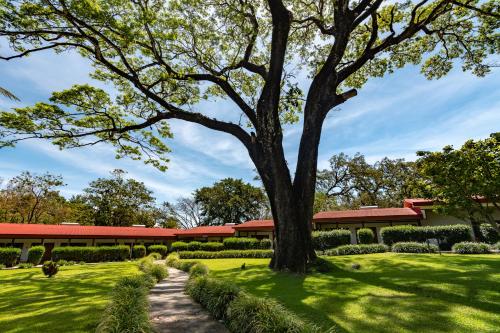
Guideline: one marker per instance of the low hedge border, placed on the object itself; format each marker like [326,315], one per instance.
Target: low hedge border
[9,256]
[446,235]
[414,247]
[357,249]
[323,240]
[226,254]
[91,253]
[471,248]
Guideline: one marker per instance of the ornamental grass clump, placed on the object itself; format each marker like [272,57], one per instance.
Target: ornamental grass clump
[198,269]
[50,268]
[471,248]
[414,247]
[172,260]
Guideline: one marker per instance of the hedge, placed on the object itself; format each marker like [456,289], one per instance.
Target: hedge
[226,254]
[194,246]
[357,249]
[35,254]
[414,247]
[138,251]
[91,253]
[161,249]
[471,248]
[241,243]
[323,240]
[9,256]
[488,233]
[366,236]
[179,246]
[212,246]
[446,235]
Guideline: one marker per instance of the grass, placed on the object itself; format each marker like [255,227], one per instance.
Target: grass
[390,293]
[71,301]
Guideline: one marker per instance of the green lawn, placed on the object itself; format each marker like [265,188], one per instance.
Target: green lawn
[71,301]
[390,293]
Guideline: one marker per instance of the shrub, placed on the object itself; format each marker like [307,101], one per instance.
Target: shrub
[496,246]
[128,309]
[172,259]
[488,233]
[414,247]
[446,235]
[9,256]
[323,240]
[357,249]
[250,314]
[214,295]
[471,248]
[185,265]
[212,246]
[266,244]
[226,254]
[241,243]
[50,268]
[2,266]
[159,272]
[25,265]
[155,256]
[138,251]
[179,246]
[63,262]
[198,269]
[91,253]
[366,236]
[161,249]
[194,246]
[35,254]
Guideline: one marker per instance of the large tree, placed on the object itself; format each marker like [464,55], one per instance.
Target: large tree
[186,211]
[165,56]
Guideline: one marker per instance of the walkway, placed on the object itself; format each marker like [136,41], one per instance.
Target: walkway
[172,311]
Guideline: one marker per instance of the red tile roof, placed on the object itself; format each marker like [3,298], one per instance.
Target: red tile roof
[419,202]
[223,230]
[14,230]
[372,214]
[256,225]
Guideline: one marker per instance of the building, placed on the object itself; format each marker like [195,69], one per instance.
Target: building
[259,229]
[206,233]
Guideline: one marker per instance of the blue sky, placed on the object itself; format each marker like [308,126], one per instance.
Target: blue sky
[394,116]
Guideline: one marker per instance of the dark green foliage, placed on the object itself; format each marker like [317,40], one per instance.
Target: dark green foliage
[172,259]
[471,248]
[266,244]
[212,246]
[241,243]
[50,268]
[161,249]
[366,236]
[9,256]
[488,233]
[194,246]
[179,246]
[35,254]
[226,254]
[357,249]
[198,269]
[157,271]
[138,251]
[250,314]
[321,265]
[414,247]
[446,235]
[91,253]
[128,309]
[214,295]
[323,240]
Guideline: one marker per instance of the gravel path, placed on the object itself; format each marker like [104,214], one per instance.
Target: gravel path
[172,311]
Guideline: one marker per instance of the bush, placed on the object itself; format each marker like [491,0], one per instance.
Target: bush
[9,256]
[128,309]
[241,243]
[488,233]
[179,246]
[250,314]
[471,248]
[50,268]
[357,249]
[159,272]
[266,244]
[226,254]
[194,246]
[366,236]
[25,265]
[172,259]
[185,265]
[214,295]
[161,249]
[155,256]
[35,254]
[138,251]
[323,240]
[91,253]
[414,247]
[212,246]
[2,266]
[496,246]
[63,262]
[446,235]
[198,269]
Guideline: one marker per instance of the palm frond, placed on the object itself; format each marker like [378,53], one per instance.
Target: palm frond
[8,94]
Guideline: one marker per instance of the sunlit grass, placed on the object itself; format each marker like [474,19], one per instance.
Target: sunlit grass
[390,293]
[71,301]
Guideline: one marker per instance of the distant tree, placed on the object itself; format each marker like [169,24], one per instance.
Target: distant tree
[117,201]
[186,211]
[459,178]
[229,201]
[80,211]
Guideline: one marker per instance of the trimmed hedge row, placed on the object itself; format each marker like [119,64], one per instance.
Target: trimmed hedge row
[414,247]
[323,240]
[357,249]
[231,243]
[366,236]
[9,256]
[471,248]
[446,235]
[35,254]
[138,251]
[91,253]
[160,249]
[226,254]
